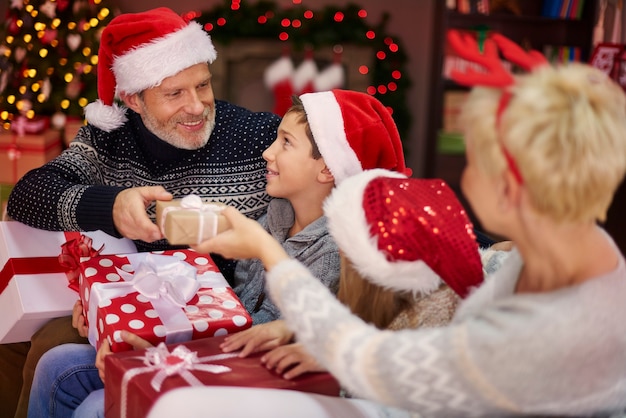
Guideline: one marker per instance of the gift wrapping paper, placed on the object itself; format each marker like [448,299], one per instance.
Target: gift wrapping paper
[136,379]
[114,299]
[189,221]
[33,281]
[20,154]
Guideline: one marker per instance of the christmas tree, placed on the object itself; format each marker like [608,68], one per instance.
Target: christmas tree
[48,57]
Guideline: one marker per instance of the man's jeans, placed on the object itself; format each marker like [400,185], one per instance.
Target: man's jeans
[66,376]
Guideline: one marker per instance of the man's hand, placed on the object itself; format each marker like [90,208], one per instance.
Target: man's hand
[137,342]
[260,337]
[129,212]
[78,319]
[291,357]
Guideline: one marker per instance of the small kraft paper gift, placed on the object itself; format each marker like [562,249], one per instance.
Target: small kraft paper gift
[35,283]
[189,221]
[170,296]
[136,379]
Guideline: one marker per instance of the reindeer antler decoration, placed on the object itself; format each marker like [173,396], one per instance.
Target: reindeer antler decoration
[496,74]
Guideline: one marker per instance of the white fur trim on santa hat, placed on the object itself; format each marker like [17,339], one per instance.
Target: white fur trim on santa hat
[278,71]
[350,230]
[147,65]
[326,122]
[107,118]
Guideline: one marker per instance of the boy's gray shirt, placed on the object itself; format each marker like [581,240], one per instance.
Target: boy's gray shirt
[313,246]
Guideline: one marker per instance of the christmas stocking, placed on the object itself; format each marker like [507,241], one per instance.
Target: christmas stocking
[305,75]
[277,78]
[332,77]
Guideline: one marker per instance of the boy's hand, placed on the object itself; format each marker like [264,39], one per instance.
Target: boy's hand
[291,357]
[78,319]
[129,212]
[245,239]
[137,342]
[260,337]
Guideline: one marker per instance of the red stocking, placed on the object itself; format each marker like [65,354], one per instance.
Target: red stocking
[305,75]
[277,78]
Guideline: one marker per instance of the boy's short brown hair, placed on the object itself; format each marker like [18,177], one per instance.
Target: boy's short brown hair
[298,108]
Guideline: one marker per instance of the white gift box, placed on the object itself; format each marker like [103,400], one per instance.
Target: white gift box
[27,301]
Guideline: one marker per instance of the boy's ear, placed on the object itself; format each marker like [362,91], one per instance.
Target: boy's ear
[131,101]
[325,176]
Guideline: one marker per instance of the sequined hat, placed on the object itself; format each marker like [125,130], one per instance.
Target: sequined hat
[139,50]
[354,132]
[403,233]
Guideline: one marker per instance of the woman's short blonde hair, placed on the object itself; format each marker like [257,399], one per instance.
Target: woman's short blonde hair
[565,127]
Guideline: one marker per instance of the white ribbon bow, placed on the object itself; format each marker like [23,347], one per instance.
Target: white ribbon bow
[181,361]
[167,282]
[173,279]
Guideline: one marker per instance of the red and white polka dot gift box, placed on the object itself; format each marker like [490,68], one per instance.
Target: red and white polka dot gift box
[171,296]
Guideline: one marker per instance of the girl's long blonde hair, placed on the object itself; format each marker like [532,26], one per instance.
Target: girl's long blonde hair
[370,302]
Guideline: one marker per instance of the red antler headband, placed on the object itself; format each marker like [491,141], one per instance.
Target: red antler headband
[496,74]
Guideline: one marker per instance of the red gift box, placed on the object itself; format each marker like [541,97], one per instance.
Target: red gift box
[22,153]
[136,379]
[119,293]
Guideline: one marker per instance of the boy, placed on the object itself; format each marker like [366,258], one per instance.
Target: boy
[319,143]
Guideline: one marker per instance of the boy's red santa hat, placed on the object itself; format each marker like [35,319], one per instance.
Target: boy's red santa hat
[354,132]
[404,234]
[139,50]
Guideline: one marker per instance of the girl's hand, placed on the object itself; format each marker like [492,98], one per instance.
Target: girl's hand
[291,357]
[260,337]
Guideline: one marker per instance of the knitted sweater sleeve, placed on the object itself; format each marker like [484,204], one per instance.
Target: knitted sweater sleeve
[66,194]
[411,369]
[503,354]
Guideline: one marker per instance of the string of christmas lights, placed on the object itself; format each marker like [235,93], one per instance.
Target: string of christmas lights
[332,26]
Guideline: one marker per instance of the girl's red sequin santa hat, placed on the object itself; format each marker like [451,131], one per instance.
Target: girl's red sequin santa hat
[139,50]
[354,132]
[403,233]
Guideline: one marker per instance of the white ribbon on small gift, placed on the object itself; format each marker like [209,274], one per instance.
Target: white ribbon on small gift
[194,203]
[181,361]
[166,281]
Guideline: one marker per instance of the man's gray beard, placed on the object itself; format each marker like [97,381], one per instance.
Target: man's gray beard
[177,140]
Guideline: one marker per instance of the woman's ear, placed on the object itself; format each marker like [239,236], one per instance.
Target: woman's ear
[509,191]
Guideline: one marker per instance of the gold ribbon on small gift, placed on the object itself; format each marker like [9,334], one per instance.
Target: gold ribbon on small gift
[181,361]
[166,281]
[194,203]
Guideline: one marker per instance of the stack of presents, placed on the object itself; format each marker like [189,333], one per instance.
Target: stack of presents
[29,144]
[177,299]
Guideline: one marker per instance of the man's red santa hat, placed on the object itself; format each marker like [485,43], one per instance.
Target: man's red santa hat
[139,50]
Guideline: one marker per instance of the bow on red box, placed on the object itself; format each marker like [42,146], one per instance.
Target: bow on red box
[71,253]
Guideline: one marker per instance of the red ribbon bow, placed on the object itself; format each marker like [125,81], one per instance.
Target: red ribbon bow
[71,253]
